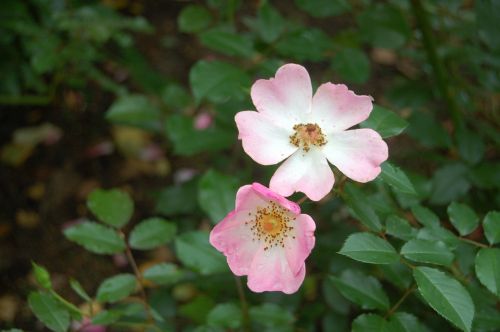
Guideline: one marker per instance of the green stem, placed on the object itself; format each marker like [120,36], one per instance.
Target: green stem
[477,244]
[67,304]
[244,305]
[400,301]
[139,278]
[405,262]
[458,274]
[438,68]
[302,200]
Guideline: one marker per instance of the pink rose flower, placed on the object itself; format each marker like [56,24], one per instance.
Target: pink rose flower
[309,130]
[266,238]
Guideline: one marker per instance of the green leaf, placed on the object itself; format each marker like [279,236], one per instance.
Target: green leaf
[42,276]
[352,65]
[189,141]
[449,183]
[333,298]
[397,179]
[425,122]
[487,12]
[106,317]
[360,207]
[488,269]
[404,322]
[369,248]
[44,52]
[113,207]
[96,238]
[216,194]
[78,288]
[227,42]
[363,290]
[425,251]
[116,288]
[324,8]
[446,296]
[49,311]
[177,199]
[486,175]
[368,323]
[400,228]
[487,319]
[163,274]
[176,96]
[197,310]
[193,18]
[491,225]
[310,44]
[409,93]
[270,24]
[136,111]
[151,233]
[195,252]
[218,81]
[384,25]
[385,122]
[227,315]
[271,315]
[425,216]
[438,233]
[463,218]
[470,146]
[398,274]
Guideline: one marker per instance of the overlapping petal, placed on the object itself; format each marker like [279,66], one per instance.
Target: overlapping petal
[336,108]
[307,172]
[297,249]
[262,139]
[357,153]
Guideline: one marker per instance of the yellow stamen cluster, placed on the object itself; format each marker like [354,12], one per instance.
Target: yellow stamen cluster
[306,135]
[271,225]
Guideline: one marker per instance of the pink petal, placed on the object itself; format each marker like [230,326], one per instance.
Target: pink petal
[336,108]
[299,246]
[357,153]
[251,197]
[232,237]
[307,172]
[262,139]
[286,97]
[270,195]
[270,271]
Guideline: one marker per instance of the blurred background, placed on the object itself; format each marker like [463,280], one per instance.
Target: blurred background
[141,95]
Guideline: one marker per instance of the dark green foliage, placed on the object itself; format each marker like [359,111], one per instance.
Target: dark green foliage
[414,250]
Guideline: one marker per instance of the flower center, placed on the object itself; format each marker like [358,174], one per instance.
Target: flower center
[271,225]
[306,135]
